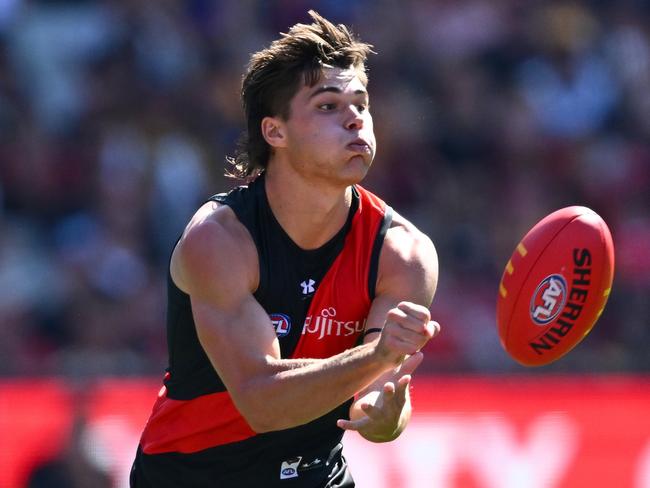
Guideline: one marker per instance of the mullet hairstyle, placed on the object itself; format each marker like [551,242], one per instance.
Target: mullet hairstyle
[275,74]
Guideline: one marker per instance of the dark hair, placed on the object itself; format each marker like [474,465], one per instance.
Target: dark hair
[274,75]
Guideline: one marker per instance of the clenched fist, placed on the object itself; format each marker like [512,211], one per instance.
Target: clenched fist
[407,329]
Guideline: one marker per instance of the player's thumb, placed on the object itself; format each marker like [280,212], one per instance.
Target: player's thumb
[411,363]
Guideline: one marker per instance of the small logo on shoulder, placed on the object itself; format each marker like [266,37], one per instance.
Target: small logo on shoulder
[548,300]
[289,468]
[281,323]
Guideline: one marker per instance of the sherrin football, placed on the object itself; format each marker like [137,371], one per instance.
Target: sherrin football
[555,286]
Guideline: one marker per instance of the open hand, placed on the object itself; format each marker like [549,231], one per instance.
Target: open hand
[380,416]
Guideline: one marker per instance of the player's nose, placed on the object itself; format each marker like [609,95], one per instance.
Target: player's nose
[353,118]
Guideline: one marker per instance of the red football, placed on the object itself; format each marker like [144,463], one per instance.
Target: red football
[555,285]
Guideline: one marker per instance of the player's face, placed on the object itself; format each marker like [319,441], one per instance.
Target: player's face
[329,130]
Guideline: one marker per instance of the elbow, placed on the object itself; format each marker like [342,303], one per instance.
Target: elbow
[259,422]
[256,418]
[264,418]
[259,411]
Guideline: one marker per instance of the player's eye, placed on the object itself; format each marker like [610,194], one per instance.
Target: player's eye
[327,106]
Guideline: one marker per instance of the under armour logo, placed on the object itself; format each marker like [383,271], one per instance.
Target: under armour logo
[307,286]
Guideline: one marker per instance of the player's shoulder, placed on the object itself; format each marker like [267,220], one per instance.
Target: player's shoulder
[214,244]
[405,243]
[408,258]
[213,222]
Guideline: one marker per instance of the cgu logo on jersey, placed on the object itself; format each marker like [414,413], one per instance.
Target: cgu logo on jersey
[328,324]
[548,300]
[281,323]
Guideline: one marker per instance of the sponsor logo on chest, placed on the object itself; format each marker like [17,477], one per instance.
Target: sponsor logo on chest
[328,323]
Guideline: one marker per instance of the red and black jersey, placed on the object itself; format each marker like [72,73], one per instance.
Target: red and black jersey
[318,301]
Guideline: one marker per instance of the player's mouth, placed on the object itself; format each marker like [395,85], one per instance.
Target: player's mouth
[359,146]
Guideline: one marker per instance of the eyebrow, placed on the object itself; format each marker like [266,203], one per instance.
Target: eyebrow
[334,89]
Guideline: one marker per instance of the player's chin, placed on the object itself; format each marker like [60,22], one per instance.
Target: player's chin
[356,169]
[361,162]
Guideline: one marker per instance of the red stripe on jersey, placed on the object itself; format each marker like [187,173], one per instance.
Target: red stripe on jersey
[339,309]
[193,425]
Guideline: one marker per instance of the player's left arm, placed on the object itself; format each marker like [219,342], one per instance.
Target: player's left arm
[408,271]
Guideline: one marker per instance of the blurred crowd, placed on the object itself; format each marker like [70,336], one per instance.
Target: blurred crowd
[116,117]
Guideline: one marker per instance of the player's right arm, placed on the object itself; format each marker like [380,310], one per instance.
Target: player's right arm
[216,263]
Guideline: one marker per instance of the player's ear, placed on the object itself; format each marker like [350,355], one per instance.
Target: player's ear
[273,131]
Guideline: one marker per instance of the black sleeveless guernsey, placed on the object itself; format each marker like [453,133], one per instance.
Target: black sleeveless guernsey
[318,301]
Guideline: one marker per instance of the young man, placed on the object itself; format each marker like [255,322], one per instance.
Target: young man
[291,295]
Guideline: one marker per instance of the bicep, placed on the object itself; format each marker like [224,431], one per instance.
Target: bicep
[216,264]
[408,267]
[238,338]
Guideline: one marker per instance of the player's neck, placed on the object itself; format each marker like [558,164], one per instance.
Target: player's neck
[311,213]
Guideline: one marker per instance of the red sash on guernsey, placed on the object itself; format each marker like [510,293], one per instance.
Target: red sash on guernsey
[334,323]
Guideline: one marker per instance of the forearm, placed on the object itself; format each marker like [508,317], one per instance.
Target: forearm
[294,392]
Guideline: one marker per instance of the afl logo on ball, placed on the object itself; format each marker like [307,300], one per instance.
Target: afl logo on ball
[281,324]
[548,300]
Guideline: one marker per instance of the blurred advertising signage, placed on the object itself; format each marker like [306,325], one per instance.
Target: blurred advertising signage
[466,432]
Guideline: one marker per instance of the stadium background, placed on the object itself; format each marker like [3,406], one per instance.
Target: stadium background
[116,117]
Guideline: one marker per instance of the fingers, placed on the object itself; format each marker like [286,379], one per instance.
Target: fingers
[394,398]
[402,343]
[410,364]
[394,394]
[407,332]
[372,414]
[434,328]
[353,424]
[402,387]
[419,312]
[410,320]
[413,318]
[408,327]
